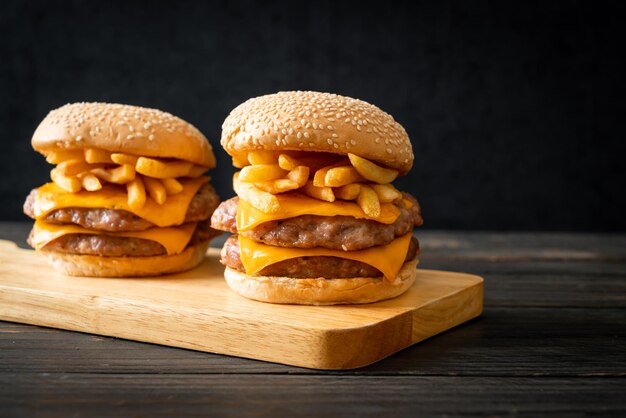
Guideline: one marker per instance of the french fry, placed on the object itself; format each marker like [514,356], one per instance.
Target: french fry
[347,192]
[387,193]
[261,172]
[368,201]
[136,193]
[321,193]
[118,175]
[95,155]
[69,184]
[319,178]
[261,157]
[287,163]
[299,174]
[340,176]
[120,159]
[240,161]
[263,201]
[155,190]
[56,157]
[277,186]
[196,171]
[74,167]
[371,171]
[90,182]
[172,186]
[159,169]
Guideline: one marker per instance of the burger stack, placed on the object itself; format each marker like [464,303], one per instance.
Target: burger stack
[316,219]
[128,196]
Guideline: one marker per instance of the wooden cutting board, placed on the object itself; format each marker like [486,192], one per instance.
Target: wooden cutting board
[197,310]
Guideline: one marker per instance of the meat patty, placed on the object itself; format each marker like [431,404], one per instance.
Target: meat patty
[308,231]
[112,246]
[116,220]
[304,267]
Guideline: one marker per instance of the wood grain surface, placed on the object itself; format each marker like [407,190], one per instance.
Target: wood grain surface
[551,341]
[197,310]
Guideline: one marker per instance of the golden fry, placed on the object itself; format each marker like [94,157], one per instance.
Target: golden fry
[118,175]
[277,186]
[261,157]
[56,157]
[319,178]
[156,168]
[261,172]
[340,176]
[120,159]
[321,193]
[371,171]
[74,167]
[136,193]
[90,182]
[239,161]
[69,184]
[172,186]
[95,155]
[196,171]
[368,201]
[263,201]
[287,163]
[155,190]
[299,174]
[348,192]
[387,193]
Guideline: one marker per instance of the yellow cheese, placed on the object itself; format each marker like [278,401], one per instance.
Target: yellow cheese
[174,239]
[255,256]
[296,204]
[50,197]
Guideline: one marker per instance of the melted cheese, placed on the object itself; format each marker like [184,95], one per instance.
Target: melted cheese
[292,205]
[50,197]
[255,256]
[174,239]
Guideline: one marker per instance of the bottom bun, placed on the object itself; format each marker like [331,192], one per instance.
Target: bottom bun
[320,291]
[97,266]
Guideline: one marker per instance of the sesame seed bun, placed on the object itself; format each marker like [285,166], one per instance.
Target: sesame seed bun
[321,291]
[122,128]
[97,266]
[317,122]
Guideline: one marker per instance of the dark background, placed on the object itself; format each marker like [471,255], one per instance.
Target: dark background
[512,107]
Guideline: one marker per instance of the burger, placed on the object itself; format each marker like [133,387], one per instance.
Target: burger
[316,219]
[128,195]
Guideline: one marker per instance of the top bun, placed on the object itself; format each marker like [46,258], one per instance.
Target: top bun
[122,128]
[317,122]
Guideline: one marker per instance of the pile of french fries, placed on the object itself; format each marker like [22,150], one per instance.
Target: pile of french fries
[144,177]
[322,176]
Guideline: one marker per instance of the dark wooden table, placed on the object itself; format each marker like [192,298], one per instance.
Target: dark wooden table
[552,341]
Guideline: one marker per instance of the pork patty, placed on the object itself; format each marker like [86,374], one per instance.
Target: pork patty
[308,231]
[115,220]
[304,267]
[112,246]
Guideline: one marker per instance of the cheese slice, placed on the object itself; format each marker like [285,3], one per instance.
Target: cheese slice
[255,256]
[296,204]
[50,197]
[174,239]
